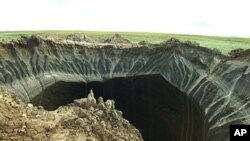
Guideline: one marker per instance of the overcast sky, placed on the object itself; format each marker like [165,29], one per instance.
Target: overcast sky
[208,17]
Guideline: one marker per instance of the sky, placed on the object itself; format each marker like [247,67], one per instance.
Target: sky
[203,17]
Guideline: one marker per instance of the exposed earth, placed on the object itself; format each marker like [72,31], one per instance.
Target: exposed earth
[84,119]
[174,90]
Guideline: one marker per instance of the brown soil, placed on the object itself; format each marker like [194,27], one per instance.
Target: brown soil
[84,119]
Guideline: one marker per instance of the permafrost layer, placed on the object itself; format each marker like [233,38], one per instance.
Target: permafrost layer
[217,84]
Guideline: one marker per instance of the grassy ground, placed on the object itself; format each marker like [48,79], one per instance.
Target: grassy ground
[225,44]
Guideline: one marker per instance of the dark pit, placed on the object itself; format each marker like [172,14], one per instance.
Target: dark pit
[156,108]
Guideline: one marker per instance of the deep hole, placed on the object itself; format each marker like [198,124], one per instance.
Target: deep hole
[155,107]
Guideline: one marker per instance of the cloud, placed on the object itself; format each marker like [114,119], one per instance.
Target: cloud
[60,1]
[203,24]
[179,16]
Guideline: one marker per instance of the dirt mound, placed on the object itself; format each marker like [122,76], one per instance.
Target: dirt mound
[117,38]
[240,54]
[84,119]
[172,42]
[79,37]
[145,43]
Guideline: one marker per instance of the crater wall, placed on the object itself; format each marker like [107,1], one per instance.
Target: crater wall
[219,85]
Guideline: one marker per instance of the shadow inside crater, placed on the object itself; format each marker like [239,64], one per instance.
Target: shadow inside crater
[155,107]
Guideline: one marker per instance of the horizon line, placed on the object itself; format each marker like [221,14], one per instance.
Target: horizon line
[117,31]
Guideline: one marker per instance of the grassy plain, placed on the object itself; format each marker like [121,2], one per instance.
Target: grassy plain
[225,44]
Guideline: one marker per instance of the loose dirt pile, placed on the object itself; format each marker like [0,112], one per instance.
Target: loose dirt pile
[84,119]
[79,37]
[117,38]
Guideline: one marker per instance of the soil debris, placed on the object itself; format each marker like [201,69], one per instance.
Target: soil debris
[117,38]
[84,119]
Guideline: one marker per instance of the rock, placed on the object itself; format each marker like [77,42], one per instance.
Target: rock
[109,104]
[101,103]
[126,123]
[24,115]
[100,100]
[34,112]
[119,113]
[99,113]
[30,105]
[115,115]
[83,113]
[88,128]
[103,124]
[81,122]
[22,131]
[91,98]
[81,102]
[91,109]
[31,132]
[40,107]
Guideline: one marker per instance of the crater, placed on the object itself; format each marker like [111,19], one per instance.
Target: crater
[176,91]
[153,105]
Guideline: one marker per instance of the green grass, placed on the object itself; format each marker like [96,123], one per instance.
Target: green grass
[225,44]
